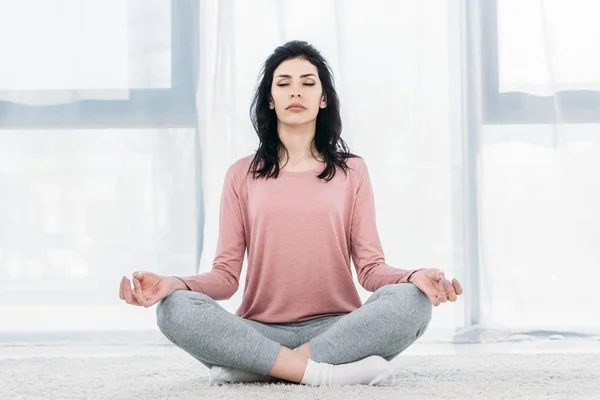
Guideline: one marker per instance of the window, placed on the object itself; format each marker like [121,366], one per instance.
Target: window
[149,106]
[520,106]
[91,188]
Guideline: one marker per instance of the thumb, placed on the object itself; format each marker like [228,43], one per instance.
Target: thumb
[139,275]
[439,275]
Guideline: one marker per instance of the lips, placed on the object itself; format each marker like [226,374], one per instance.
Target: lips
[295,106]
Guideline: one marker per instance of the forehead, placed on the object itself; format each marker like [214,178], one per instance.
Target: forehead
[295,67]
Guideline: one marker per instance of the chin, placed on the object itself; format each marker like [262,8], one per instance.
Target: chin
[298,121]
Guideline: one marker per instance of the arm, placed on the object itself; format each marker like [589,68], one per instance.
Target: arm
[223,280]
[366,249]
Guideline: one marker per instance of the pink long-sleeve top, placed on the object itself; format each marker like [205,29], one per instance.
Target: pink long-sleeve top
[300,233]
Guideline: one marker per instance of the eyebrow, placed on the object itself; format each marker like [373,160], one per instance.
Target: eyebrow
[289,76]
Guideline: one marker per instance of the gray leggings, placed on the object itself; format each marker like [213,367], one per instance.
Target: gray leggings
[390,320]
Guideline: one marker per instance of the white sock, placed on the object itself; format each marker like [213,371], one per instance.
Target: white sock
[220,375]
[373,370]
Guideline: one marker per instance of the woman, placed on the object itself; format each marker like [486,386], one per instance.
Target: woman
[302,207]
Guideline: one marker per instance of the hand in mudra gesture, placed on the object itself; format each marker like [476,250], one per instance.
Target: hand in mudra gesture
[148,288]
[434,284]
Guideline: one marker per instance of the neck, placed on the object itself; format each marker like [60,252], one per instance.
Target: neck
[298,141]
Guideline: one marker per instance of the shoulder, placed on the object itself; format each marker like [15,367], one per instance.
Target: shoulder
[240,167]
[238,171]
[357,163]
[357,167]
[358,172]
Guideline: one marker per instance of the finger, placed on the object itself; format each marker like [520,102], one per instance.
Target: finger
[441,287]
[433,299]
[442,290]
[138,301]
[121,295]
[457,287]
[431,293]
[127,293]
[138,294]
[434,296]
[450,291]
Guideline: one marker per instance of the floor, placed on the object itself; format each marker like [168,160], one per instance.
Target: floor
[542,369]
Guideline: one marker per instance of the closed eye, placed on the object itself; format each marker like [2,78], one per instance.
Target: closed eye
[287,84]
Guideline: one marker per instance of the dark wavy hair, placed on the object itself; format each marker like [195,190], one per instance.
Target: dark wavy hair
[327,140]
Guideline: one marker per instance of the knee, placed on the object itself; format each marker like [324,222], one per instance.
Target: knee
[172,311]
[410,300]
[168,311]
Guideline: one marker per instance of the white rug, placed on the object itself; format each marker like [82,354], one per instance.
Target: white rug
[175,375]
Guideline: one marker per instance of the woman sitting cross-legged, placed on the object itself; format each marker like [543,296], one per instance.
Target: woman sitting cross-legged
[302,207]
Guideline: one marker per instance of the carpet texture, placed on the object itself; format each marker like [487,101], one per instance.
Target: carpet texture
[471,376]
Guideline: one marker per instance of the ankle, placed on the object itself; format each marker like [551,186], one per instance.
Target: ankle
[373,370]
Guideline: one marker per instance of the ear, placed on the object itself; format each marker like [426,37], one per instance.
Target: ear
[323,102]
[271,103]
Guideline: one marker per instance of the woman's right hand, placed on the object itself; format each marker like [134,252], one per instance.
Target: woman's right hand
[148,288]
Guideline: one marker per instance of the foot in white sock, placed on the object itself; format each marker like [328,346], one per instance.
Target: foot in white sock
[220,375]
[373,370]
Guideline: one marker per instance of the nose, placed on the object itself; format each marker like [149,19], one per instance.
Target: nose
[295,95]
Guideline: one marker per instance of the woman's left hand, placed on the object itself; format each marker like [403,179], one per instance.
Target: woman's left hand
[434,284]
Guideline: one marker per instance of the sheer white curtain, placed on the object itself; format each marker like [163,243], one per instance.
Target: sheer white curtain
[484,163]
[89,191]
[394,63]
[539,164]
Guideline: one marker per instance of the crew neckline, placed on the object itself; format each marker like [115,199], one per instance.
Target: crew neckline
[316,171]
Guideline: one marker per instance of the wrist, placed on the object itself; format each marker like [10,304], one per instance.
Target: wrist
[177,283]
[412,275]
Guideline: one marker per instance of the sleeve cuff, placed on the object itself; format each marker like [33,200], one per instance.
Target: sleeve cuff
[411,274]
[184,282]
